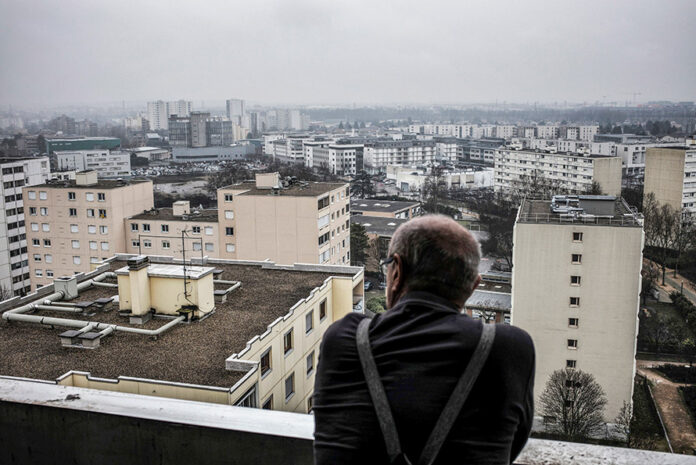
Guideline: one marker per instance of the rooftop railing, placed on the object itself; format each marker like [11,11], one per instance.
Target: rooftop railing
[43,423]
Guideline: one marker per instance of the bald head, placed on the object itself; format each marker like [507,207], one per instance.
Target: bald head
[437,255]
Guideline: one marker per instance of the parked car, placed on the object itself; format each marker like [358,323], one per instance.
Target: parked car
[368,285]
[382,285]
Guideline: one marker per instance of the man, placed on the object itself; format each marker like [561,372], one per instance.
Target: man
[421,347]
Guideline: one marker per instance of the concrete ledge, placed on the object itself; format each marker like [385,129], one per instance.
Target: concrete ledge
[33,416]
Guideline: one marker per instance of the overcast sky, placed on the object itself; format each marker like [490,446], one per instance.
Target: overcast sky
[363,52]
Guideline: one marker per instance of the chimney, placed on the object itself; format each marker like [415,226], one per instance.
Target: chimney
[181,208]
[267,180]
[137,290]
[86,178]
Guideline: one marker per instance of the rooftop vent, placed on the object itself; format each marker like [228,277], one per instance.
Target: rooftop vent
[67,285]
[139,262]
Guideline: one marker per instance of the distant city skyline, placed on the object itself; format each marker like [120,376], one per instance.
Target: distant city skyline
[311,52]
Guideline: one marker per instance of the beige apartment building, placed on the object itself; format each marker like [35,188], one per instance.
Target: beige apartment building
[220,354]
[72,224]
[574,172]
[304,222]
[575,289]
[670,174]
[159,232]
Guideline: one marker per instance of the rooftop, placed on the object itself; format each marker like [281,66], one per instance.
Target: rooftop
[493,299]
[299,189]
[192,353]
[100,184]
[167,214]
[600,210]
[378,225]
[358,205]
[18,159]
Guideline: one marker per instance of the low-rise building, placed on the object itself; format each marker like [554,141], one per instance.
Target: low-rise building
[385,208]
[107,163]
[71,144]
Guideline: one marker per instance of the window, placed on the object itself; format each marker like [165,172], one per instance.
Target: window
[322,310]
[573,322]
[229,231]
[323,221]
[71,196]
[32,211]
[43,195]
[209,247]
[268,405]
[43,211]
[323,238]
[575,301]
[146,227]
[102,213]
[289,386]
[230,247]
[103,229]
[572,343]
[165,244]
[309,322]
[74,228]
[228,197]
[135,243]
[31,195]
[38,273]
[92,229]
[229,214]
[46,242]
[72,212]
[37,257]
[48,258]
[90,213]
[310,404]
[324,256]
[165,228]
[576,258]
[323,203]
[208,230]
[34,226]
[265,363]
[49,273]
[93,245]
[287,342]
[134,227]
[45,227]
[248,399]
[75,244]
[105,246]
[196,246]
[89,196]
[196,229]
[101,196]
[310,363]
[575,280]
[76,260]
[577,237]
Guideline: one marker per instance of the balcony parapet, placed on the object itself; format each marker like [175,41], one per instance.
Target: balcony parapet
[42,422]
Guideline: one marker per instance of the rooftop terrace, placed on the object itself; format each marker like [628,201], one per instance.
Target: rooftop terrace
[192,353]
[298,189]
[599,210]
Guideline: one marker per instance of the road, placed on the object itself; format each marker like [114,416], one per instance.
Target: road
[676,284]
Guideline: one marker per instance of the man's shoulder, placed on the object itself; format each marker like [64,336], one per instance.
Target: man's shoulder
[342,331]
[514,345]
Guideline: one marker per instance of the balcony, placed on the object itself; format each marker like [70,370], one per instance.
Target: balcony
[45,423]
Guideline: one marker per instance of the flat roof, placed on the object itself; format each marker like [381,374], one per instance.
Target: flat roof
[299,189]
[378,225]
[597,213]
[490,300]
[358,205]
[209,215]
[100,184]
[162,270]
[18,159]
[192,353]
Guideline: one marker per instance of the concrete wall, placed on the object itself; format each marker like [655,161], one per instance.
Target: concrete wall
[664,175]
[607,173]
[609,298]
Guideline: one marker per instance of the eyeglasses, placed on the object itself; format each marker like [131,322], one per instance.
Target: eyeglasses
[384,264]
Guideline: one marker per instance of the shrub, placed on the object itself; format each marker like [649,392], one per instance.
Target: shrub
[689,393]
[678,373]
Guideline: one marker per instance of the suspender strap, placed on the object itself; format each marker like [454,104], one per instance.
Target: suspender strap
[376,388]
[449,414]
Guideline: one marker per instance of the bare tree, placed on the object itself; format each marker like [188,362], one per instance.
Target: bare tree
[684,237]
[660,226]
[623,421]
[5,293]
[575,402]
[376,250]
[649,275]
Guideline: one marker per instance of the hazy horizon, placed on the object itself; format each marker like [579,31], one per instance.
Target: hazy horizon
[316,53]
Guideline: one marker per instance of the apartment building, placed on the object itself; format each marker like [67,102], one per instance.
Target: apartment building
[107,163]
[14,255]
[345,159]
[412,179]
[575,289]
[316,152]
[670,174]
[175,231]
[289,149]
[235,109]
[252,336]
[478,150]
[547,131]
[574,172]
[304,222]
[158,112]
[73,224]
[379,154]
[385,208]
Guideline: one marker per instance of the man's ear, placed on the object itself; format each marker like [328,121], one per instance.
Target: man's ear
[477,281]
[397,276]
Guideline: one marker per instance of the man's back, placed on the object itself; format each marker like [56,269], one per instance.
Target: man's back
[420,354]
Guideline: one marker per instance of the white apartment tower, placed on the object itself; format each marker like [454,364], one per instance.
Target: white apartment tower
[575,289]
[235,109]
[158,112]
[14,257]
[670,174]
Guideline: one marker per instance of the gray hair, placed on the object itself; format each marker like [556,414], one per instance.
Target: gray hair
[440,256]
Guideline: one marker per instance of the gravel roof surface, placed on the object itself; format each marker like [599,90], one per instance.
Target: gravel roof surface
[188,353]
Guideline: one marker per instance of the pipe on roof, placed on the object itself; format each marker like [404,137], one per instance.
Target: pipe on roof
[55,308]
[81,324]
